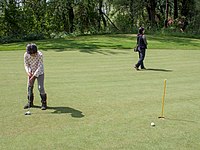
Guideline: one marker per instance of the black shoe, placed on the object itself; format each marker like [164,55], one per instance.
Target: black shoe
[43,101]
[136,68]
[143,68]
[28,105]
[30,101]
[44,107]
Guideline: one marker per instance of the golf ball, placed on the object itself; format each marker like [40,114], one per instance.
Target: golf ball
[152,124]
[28,113]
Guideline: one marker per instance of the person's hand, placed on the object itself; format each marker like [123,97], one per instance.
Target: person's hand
[30,75]
[31,79]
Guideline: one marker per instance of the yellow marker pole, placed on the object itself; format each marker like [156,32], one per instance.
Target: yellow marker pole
[163,100]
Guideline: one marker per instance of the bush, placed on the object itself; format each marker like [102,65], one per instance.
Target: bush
[33,36]
[171,31]
[9,39]
[123,22]
[20,38]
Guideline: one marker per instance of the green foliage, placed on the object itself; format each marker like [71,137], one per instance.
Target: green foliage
[34,36]
[11,19]
[21,19]
[175,32]
[123,22]
[9,39]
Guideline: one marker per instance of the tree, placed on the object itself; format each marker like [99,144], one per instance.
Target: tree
[166,13]
[25,18]
[10,18]
[71,18]
[151,9]
[175,9]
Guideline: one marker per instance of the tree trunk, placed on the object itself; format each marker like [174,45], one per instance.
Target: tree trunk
[100,14]
[166,13]
[186,7]
[71,19]
[110,21]
[151,9]
[175,9]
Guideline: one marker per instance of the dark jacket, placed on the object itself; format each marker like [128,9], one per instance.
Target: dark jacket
[141,41]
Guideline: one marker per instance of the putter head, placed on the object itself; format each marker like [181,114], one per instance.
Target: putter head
[28,113]
[162,117]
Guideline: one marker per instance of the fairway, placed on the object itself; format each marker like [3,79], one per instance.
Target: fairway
[98,101]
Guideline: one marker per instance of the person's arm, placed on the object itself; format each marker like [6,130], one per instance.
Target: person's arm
[145,40]
[27,66]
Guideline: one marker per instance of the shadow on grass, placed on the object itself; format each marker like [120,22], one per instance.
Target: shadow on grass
[180,119]
[60,110]
[176,39]
[65,110]
[89,45]
[153,69]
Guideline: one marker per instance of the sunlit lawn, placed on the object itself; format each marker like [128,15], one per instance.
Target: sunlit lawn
[97,100]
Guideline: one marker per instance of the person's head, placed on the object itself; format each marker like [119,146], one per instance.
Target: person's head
[31,48]
[141,30]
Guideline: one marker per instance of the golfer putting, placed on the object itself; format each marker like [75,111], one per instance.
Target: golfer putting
[34,67]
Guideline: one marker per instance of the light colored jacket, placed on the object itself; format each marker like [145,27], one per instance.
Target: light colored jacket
[34,64]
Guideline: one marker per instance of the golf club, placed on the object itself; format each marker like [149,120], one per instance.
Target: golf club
[28,112]
[29,102]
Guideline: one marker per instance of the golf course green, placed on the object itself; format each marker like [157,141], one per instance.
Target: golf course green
[98,101]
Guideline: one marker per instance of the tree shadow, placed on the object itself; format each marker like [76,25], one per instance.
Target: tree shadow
[180,119]
[68,110]
[176,39]
[89,46]
[164,70]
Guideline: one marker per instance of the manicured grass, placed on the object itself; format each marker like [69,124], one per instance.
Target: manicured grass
[98,43]
[97,100]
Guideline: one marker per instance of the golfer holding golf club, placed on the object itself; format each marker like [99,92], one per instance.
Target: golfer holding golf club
[33,63]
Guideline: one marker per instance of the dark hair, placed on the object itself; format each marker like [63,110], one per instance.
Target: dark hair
[31,48]
[141,29]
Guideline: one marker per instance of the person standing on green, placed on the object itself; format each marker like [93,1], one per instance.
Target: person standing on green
[34,67]
[142,46]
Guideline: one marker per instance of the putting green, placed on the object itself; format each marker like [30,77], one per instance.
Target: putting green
[98,101]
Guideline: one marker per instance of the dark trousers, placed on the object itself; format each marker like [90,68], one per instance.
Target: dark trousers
[140,62]
[40,80]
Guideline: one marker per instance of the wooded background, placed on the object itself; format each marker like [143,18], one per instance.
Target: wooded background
[36,19]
